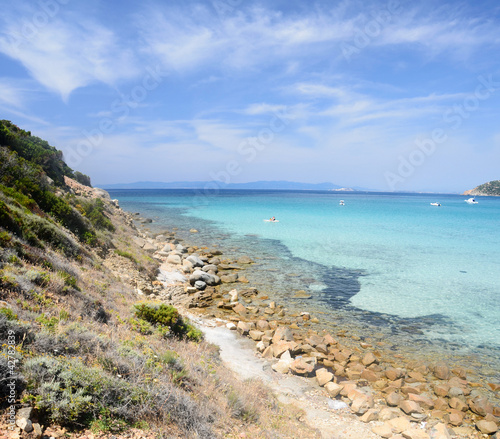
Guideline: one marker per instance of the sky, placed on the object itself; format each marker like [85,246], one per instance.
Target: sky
[386,95]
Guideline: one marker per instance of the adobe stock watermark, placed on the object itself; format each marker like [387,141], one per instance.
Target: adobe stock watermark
[248,151]
[371,30]
[11,379]
[453,119]
[120,108]
[46,11]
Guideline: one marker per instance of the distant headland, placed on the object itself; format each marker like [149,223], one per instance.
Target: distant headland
[255,185]
[492,188]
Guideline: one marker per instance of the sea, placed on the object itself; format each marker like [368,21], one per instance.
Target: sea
[389,268]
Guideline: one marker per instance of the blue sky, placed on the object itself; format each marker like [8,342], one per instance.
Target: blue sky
[387,95]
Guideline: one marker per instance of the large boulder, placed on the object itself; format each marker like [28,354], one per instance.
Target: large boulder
[174,259]
[195,260]
[209,279]
[302,367]
[229,278]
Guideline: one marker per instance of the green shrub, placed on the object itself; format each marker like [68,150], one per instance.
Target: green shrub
[82,178]
[70,393]
[7,312]
[5,239]
[168,317]
[50,324]
[126,255]
[94,211]
[141,326]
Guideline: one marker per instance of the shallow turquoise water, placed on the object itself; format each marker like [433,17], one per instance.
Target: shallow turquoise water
[391,255]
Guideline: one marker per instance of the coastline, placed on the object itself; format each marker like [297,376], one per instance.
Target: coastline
[413,378]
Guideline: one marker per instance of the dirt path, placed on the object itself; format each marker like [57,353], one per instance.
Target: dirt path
[239,355]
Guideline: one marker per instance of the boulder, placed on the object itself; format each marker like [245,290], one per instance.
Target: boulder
[244,260]
[361,403]
[455,417]
[37,429]
[282,346]
[229,278]
[262,325]
[458,404]
[383,430]
[243,327]
[233,295]
[323,376]
[23,419]
[439,431]
[368,359]
[442,371]
[394,374]
[300,367]
[282,366]
[388,413]
[410,407]
[480,405]
[210,267]
[441,389]
[195,260]
[231,326]
[399,424]
[369,375]
[151,248]
[174,259]
[333,389]
[200,285]
[238,308]
[422,400]
[370,415]
[487,427]
[256,335]
[393,399]
[282,333]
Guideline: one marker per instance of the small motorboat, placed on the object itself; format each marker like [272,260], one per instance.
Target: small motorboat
[471,201]
[271,221]
[342,203]
[435,204]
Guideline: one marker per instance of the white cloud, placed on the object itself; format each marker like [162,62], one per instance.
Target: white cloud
[64,55]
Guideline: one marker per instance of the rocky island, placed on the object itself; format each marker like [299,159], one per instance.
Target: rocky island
[492,188]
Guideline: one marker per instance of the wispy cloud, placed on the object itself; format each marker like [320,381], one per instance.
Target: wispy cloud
[67,53]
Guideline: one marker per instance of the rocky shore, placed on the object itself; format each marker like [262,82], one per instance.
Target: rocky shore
[391,397]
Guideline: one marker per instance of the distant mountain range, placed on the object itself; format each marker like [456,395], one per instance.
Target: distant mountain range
[270,185]
[490,188]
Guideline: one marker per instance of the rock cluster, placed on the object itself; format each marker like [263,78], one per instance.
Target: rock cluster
[414,402]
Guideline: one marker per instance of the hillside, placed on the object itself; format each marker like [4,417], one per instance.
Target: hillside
[90,347]
[492,188]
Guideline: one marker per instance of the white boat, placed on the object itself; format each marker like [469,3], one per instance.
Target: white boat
[271,221]
[471,201]
[342,203]
[435,204]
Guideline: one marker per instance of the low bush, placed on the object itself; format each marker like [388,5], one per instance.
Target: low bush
[167,316]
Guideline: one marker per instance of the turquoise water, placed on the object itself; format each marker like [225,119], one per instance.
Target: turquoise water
[392,259]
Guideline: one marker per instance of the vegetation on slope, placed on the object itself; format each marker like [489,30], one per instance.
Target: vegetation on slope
[490,188]
[87,353]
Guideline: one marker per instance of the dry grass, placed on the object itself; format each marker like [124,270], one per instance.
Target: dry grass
[86,364]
